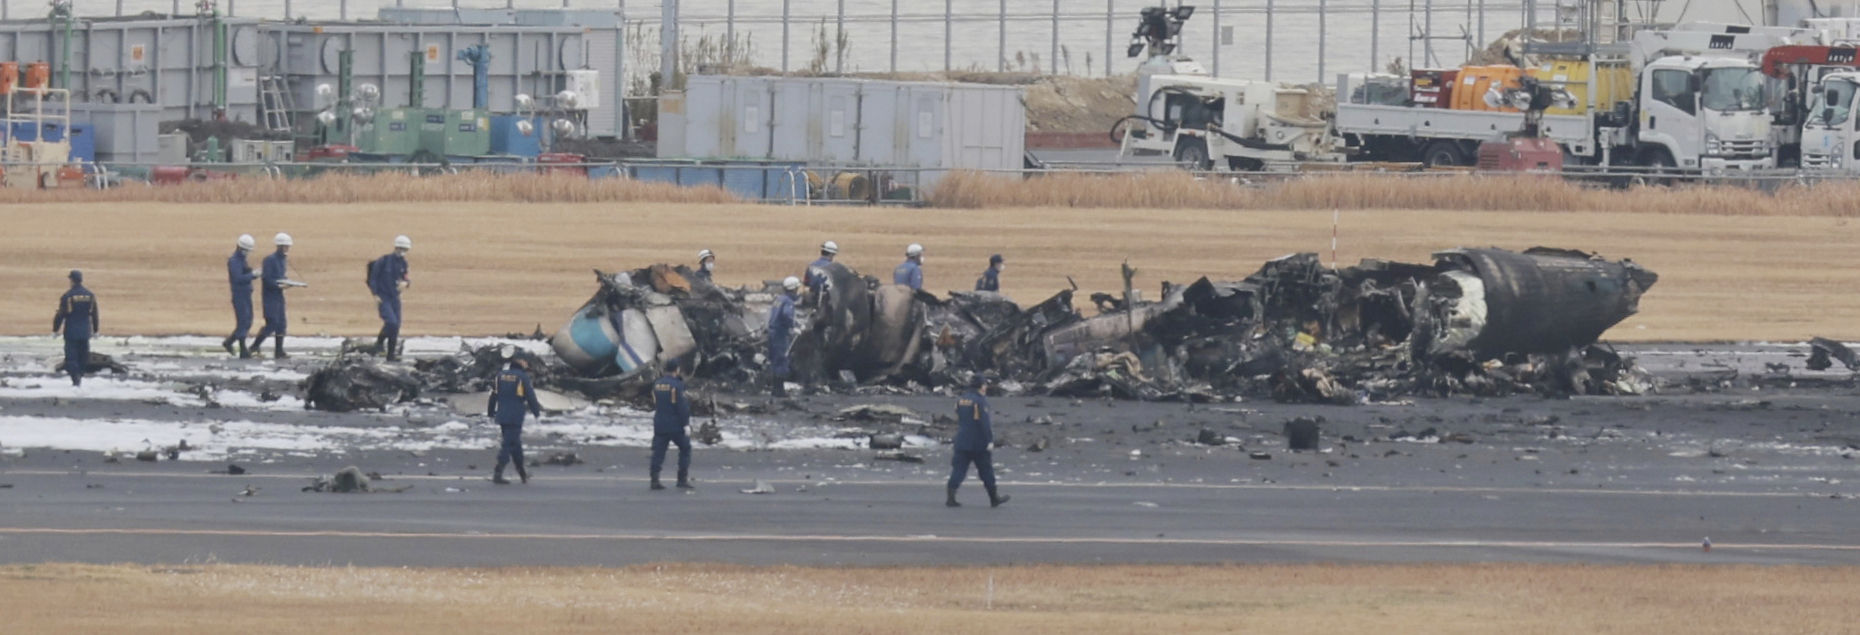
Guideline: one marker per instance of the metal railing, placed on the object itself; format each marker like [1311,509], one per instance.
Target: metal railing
[820,184]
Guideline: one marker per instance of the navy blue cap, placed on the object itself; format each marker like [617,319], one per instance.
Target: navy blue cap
[77,276]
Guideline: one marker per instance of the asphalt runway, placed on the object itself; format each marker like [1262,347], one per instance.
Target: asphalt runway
[140,516]
[1761,471]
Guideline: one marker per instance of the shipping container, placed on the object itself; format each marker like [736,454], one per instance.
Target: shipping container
[847,122]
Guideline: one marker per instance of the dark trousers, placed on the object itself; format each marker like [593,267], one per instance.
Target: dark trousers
[77,356]
[275,324]
[388,341]
[659,442]
[242,316]
[984,462]
[512,449]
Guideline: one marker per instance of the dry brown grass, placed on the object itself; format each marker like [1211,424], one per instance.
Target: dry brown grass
[1429,599]
[386,187]
[490,268]
[1178,190]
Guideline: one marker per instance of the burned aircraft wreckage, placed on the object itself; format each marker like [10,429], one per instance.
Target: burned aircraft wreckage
[1475,321]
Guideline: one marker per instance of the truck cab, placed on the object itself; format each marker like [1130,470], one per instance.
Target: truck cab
[1830,131]
[1704,113]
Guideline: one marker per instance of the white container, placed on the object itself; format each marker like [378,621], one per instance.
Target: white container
[248,151]
[849,123]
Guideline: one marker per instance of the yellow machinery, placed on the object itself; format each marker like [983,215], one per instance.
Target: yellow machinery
[1613,83]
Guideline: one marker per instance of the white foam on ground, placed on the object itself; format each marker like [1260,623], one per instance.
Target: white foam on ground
[221,440]
[96,388]
[52,347]
[256,370]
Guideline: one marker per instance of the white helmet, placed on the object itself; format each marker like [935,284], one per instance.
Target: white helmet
[830,247]
[246,242]
[403,242]
[705,253]
[281,240]
[914,250]
[791,283]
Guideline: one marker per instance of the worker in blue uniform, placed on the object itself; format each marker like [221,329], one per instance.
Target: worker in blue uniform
[239,276]
[816,275]
[707,262]
[781,335]
[671,414]
[77,318]
[911,272]
[276,277]
[975,434]
[386,276]
[991,278]
[511,397]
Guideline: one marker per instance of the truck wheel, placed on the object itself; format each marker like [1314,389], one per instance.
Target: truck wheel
[1194,154]
[1440,154]
[1659,164]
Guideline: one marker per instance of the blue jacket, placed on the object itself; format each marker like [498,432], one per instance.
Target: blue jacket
[512,396]
[816,275]
[974,431]
[781,322]
[387,274]
[671,406]
[77,314]
[239,274]
[274,271]
[910,273]
[990,281]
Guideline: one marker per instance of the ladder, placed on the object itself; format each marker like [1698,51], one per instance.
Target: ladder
[274,103]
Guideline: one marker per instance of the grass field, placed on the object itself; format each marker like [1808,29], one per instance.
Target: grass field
[494,268]
[1432,599]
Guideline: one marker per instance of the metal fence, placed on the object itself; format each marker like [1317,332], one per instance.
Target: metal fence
[792,184]
[1292,40]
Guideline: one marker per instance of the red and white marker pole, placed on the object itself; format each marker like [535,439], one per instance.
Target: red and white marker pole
[1335,215]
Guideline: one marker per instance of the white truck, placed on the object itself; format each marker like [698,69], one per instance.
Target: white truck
[1203,122]
[1699,106]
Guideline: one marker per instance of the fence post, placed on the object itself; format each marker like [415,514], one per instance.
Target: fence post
[948,19]
[1268,40]
[1323,35]
[1052,64]
[784,35]
[894,36]
[1375,34]
[839,33]
[1001,43]
[668,44]
[1216,62]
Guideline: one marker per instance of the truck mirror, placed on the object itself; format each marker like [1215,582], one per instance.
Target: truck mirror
[1693,83]
[1827,114]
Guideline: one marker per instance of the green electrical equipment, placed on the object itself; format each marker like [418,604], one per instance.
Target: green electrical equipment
[393,132]
[456,133]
